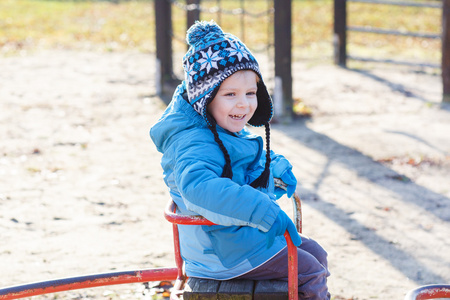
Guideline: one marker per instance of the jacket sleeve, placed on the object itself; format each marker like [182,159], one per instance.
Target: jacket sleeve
[197,171]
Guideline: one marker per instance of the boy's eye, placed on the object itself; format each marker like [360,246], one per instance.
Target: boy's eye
[251,93]
[229,94]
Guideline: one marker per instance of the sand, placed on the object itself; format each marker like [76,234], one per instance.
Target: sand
[81,188]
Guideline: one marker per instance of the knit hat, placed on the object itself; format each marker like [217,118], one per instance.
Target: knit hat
[213,56]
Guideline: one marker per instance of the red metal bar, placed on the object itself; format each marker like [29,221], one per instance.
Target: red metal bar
[156,274]
[88,281]
[433,291]
[171,216]
[181,276]
[174,218]
[293,268]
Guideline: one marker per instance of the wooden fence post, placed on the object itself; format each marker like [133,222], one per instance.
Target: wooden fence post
[446,50]
[192,14]
[283,58]
[340,32]
[163,22]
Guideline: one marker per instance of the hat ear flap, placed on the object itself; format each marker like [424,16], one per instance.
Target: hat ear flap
[263,180]
[264,111]
[205,114]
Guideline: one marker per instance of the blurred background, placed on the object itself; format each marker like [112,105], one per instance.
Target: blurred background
[26,25]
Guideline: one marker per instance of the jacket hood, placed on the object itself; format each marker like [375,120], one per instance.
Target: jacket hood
[181,116]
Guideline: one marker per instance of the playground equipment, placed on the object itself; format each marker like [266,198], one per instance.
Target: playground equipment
[176,274]
[433,291]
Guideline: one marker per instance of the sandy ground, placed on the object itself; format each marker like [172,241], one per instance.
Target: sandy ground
[81,187]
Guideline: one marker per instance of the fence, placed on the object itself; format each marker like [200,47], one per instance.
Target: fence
[282,47]
[341,28]
[283,42]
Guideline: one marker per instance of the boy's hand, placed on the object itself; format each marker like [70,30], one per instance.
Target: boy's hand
[279,227]
[281,168]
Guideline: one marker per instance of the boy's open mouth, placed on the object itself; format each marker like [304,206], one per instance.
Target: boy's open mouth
[237,117]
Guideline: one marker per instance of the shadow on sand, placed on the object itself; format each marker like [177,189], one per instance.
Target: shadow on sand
[382,176]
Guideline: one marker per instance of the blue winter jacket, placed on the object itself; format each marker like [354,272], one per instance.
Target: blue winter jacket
[193,163]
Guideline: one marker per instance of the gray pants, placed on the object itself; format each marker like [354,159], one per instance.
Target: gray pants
[312,270]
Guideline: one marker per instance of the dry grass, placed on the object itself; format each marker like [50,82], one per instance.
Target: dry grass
[28,24]
[109,26]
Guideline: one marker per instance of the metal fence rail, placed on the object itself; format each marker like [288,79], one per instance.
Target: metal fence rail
[193,8]
[393,32]
[219,9]
[394,62]
[341,28]
[402,3]
[397,32]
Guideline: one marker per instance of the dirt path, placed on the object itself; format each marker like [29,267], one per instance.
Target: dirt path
[81,188]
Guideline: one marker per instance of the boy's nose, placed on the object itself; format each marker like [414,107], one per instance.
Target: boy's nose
[242,102]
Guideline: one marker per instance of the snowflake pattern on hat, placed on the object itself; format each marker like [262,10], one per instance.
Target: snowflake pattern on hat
[212,58]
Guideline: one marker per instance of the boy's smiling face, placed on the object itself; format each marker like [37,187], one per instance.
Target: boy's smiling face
[236,101]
